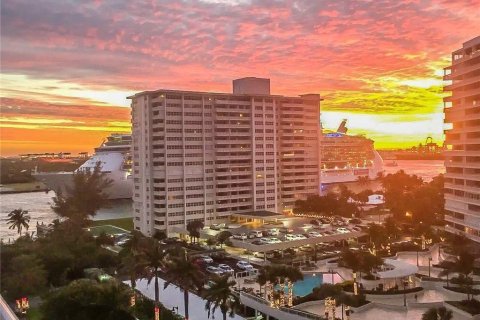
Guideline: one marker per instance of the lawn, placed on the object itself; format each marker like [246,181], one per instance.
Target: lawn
[108,229]
[124,223]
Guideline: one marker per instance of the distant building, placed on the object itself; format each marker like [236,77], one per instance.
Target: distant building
[204,156]
[462,140]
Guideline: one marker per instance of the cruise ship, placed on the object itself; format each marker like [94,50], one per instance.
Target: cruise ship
[115,161]
[345,158]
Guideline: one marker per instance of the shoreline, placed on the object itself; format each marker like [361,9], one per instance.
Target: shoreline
[25,187]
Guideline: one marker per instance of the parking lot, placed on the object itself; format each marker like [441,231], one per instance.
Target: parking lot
[290,239]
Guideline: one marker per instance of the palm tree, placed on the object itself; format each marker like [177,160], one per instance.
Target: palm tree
[440,313]
[186,275]
[193,228]
[18,219]
[221,295]
[151,262]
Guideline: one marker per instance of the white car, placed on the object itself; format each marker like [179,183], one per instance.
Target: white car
[244,265]
[290,237]
[273,232]
[299,237]
[343,230]
[214,270]
[314,234]
[275,240]
[225,268]
[264,240]
[206,259]
[241,236]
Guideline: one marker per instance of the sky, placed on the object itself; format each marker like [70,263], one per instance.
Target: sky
[67,66]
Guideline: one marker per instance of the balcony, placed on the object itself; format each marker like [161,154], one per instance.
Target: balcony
[462,94]
[460,83]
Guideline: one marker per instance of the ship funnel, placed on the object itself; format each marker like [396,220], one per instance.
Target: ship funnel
[342,128]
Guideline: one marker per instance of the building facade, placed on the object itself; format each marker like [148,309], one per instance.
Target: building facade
[203,156]
[462,139]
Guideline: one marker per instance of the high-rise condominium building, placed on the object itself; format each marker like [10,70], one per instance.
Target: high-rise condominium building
[462,138]
[204,156]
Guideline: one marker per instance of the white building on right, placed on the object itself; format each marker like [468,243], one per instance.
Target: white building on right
[462,139]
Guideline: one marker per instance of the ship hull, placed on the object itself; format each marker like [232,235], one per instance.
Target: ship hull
[330,176]
[120,188]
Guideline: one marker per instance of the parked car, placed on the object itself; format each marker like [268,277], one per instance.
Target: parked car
[275,240]
[273,232]
[225,268]
[262,255]
[240,236]
[251,235]
[286,230]
[314,234]
[257,233]
[290,237]
[218,226]
[205,259]
[214,270]
[343,230]
[264,241]
[299,237]
[244,265]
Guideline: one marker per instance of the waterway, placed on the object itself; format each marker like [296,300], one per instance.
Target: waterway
[38,204]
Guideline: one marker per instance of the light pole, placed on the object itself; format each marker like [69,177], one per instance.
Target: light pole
[417,256]
[429,262]
[404,293]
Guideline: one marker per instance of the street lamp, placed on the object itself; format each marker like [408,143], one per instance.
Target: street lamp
[429,262]
[405,282]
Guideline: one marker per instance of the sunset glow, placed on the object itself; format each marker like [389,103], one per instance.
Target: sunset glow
[67,68]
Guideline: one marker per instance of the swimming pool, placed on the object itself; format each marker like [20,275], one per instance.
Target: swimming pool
[311,280]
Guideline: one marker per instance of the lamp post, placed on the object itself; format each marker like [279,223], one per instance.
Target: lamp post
[405,282]
[417,256]
[429,262]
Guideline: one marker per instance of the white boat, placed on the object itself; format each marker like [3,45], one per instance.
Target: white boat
[114,158]
[345,158]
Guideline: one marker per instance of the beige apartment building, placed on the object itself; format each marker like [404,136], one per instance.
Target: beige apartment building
[204,156]
[462,138]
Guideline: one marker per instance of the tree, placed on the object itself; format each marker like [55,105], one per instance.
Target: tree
[440,313]
[24,276]
[350,260]
[18,219]
[193,228]
[152,260]
[377,234]
[160,235]
[88,299]
[186,275]
[84,198]
[363,180]
[448,268]
[223,237]
[368,262]
[391,227]
[211,242]
[221,295]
